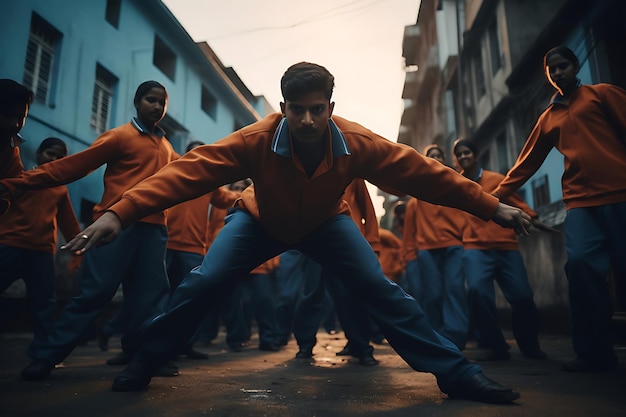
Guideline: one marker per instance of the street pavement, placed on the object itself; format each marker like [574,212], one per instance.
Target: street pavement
[256,384]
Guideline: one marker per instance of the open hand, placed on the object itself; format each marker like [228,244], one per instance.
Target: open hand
[512,218]
[102,231]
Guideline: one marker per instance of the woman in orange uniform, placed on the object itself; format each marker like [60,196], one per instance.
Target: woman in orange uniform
[28,242]
[587,124]
[492,254]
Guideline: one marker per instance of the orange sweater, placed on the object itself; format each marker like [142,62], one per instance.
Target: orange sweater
[32,221]
[10,162]
[434,226]
[586,133]
[362,212]
[187,223]
[286,202]
[409,231]
[130,155]
[488,235]
[391,255]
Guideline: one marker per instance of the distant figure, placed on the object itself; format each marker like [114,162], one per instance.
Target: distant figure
[587,124]
[28,242]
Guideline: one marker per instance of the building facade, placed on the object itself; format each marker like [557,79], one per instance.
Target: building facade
[491,88]
[84,61]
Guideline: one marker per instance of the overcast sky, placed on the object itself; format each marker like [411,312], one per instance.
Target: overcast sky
[359,41]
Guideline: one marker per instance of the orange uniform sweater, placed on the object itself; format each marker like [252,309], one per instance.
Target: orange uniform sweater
[10,162]
[130,156]
[286,202]
[187,223]
[479,234]
[32,221]
[590,133]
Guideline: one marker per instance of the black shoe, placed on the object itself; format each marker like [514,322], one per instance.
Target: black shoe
[482,389]
[37,370]
[120,359]
[191,353]
[236,348]
[131,380]
[535,354]
[304,354]
[103,340]
[168,370]
[344,352]
[269,347]
[581,365]
[368,360]
[494,355]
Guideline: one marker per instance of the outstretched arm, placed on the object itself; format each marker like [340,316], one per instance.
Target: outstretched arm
[512,218]
[104,230]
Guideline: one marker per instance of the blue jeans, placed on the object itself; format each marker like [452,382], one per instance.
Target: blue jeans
[336,244]
[289,276]
[136,259]
[444,293]
[36,268]
[506,267]
[595,242]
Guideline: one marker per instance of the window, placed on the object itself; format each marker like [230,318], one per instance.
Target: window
[209,103]
[494,47]
[112,14]
[42,42]
[102,99]
[479,76]
[164,58]
[541,191]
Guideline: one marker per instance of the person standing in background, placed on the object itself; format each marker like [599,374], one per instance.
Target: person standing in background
[587,125]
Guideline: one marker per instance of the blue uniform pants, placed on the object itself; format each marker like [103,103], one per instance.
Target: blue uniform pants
[36,268]
[136,259]
[336,244]
[443,292]
[506,267]
[595,243]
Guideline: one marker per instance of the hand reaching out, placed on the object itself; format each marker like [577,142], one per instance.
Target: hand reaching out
[512,218]
[102,231]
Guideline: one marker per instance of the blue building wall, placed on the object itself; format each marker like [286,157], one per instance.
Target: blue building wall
[88,40]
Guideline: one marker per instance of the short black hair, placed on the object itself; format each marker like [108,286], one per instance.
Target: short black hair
[565,52]
[303,78]
[465,142]
[432,146]
[50,142]
[194,144]
[13,93]
[146,86]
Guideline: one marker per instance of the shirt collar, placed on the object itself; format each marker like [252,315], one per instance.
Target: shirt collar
[557,98]
[17,140]
[478,176]
[282,145]
[158,132]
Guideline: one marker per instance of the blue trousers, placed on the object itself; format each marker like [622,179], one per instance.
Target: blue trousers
[297,278]
[506,267]
[136,259]
[595,243]
[36,268]
[336,244]
[261,292]
[444,294]
[413,284]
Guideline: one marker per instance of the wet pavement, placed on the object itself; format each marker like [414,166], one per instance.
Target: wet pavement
[255,383]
